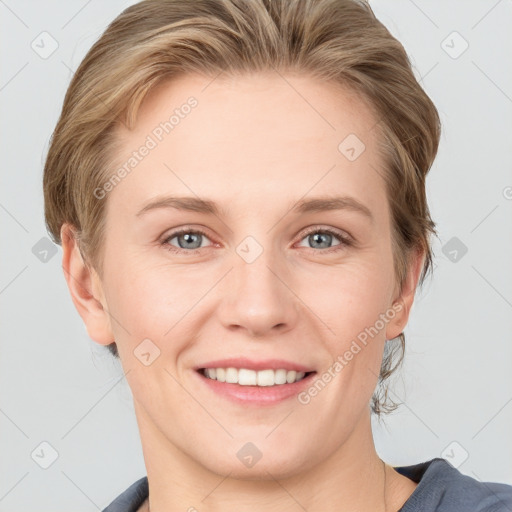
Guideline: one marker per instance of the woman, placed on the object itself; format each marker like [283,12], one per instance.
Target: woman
[203,150]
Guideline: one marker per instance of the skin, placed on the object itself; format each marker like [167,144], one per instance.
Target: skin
[255,146]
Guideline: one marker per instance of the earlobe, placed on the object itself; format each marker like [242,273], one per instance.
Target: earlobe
[85,289]
[403,304]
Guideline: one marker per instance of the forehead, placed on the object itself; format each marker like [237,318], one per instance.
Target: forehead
[248,137]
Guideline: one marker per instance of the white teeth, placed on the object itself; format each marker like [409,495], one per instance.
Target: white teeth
[280,377]
[245,377]
[266,378]
[290,376]
[231,375]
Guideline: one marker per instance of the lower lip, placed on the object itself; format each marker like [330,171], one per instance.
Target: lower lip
[257,395]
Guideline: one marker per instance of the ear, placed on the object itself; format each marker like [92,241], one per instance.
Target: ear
[403,303]
[86,289]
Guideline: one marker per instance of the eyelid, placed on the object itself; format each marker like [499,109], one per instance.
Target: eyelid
[343,235]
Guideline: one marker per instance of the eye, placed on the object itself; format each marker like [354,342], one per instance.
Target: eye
[322,239]
[187,239]
[191,240]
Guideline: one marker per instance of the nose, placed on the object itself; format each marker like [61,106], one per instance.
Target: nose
[257,298]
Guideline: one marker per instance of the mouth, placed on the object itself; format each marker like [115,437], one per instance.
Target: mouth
[246,382]
[247,377]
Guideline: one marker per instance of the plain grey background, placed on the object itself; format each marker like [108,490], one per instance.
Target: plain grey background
[60,388]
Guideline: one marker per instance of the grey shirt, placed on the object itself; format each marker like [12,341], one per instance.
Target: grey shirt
[441,488]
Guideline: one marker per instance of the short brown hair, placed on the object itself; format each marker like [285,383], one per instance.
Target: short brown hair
[335,40]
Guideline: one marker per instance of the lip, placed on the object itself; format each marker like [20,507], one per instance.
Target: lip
[255,395]
[249,364]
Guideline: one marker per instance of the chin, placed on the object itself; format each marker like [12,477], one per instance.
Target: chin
[247,462]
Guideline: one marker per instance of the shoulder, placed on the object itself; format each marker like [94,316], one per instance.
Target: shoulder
[130,499]
[443,488]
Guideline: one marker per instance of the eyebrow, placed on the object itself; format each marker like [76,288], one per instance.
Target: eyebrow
[317,204]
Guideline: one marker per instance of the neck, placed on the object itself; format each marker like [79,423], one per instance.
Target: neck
[353,477]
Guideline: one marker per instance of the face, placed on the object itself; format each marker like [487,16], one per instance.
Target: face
[264,276]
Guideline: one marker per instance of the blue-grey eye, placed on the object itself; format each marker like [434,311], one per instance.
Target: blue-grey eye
[187,239]
[322,239]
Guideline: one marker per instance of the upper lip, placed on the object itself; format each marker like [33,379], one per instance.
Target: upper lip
[250,364]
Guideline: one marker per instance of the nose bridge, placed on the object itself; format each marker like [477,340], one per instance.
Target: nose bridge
[259,301]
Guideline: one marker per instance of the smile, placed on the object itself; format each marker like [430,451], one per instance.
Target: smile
[246,377]
[262,382]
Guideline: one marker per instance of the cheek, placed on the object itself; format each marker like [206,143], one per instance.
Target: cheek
[353,311]
[353,303]
[157,301]
[353,296]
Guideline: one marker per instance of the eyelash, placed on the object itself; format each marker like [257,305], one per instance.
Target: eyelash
[345,241]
